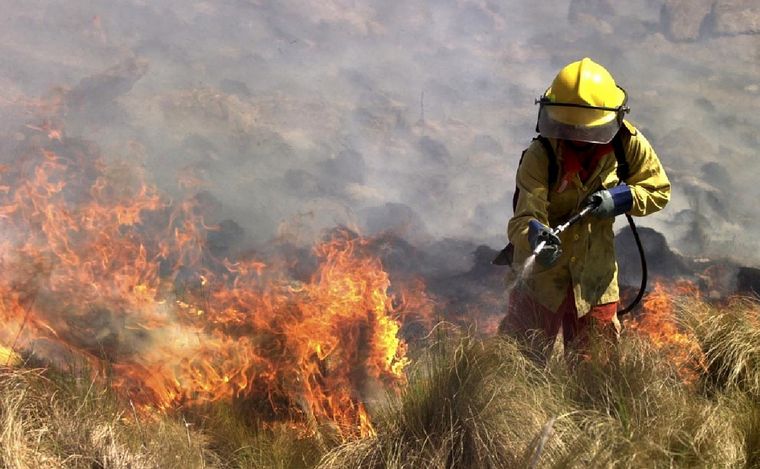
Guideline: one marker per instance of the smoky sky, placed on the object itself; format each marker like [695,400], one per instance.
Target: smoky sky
[405,116]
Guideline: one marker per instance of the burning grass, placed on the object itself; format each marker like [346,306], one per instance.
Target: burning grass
[469,402]
[196,357]
[101,268]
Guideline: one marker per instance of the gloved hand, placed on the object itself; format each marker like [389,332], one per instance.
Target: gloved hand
[537,233]
[611,202]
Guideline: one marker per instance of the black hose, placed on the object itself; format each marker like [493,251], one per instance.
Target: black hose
[643,258]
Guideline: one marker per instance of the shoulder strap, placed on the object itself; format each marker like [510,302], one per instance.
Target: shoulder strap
[623,170]
[552,169]
[516,194]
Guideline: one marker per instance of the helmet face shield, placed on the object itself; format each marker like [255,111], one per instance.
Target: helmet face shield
[552,128]
[580,122]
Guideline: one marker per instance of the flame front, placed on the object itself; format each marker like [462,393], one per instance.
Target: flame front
[658,323]
[100,269]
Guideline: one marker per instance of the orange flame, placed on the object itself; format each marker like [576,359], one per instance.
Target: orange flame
[658,323]
[99,268]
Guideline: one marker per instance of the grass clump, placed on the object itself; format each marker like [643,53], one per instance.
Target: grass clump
[729,335]
[53,420]
[469,403]
[481,403]
[245,443]
[634,411]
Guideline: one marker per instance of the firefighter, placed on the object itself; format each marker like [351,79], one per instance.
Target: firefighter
[573,283]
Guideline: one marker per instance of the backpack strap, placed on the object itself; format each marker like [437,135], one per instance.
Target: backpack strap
[507,254]
[623,169]
[517,189]
[552,168]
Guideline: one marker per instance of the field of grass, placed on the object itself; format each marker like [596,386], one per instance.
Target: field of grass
[469,403]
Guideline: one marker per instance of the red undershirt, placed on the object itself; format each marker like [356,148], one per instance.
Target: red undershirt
[581,162]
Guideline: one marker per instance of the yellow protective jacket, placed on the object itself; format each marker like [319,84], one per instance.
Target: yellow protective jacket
[588,260]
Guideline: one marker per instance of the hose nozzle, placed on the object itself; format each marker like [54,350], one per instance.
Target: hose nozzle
[555,232]
[539,247]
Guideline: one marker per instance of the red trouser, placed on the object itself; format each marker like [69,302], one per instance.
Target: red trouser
[536,327]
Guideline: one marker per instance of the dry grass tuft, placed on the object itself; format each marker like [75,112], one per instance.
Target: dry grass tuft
[245,443]
[730,338]
[51,420]
[473,403]
[469,403]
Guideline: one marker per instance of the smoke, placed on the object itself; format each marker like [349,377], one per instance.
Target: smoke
[409,116]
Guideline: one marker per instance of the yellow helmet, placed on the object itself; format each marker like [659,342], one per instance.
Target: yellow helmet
[583,103]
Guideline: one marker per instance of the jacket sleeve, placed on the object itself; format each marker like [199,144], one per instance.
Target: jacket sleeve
[649,183]
[532,203]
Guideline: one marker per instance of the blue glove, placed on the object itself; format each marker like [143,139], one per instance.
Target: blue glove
[611,202]
[537,233]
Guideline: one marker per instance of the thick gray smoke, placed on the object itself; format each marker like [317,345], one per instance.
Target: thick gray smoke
[407,116]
